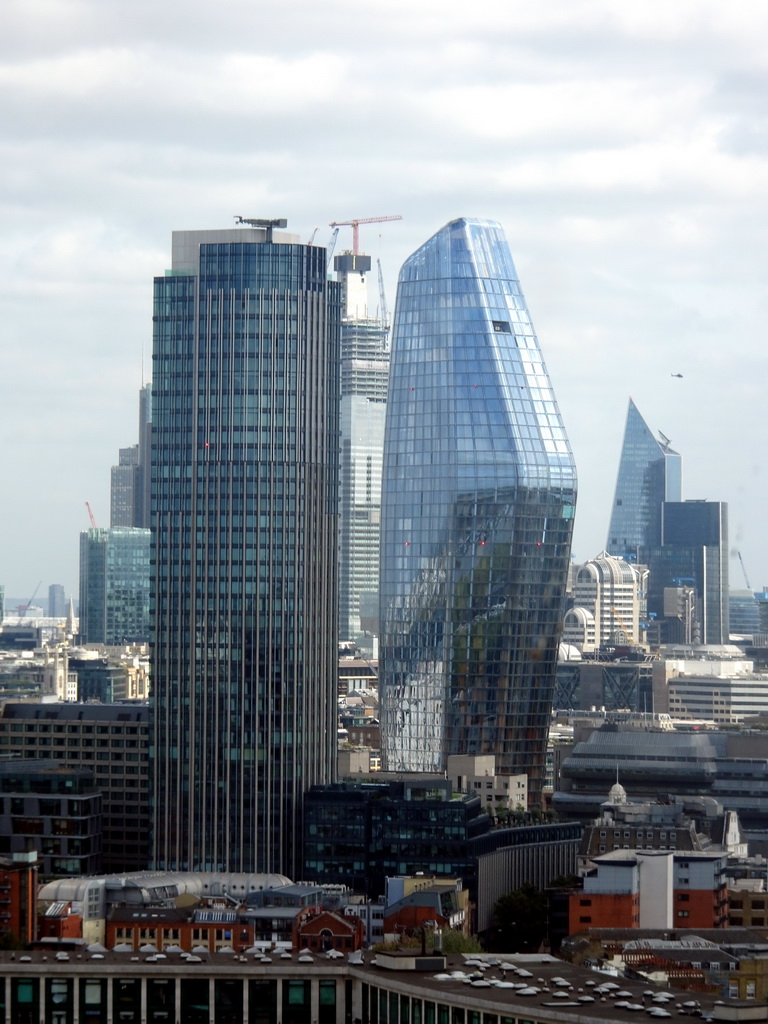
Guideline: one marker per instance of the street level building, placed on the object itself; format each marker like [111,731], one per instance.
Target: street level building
[244,565]
[479,490]
[393,987]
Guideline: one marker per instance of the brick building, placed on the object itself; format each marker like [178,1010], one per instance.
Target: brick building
[652,889]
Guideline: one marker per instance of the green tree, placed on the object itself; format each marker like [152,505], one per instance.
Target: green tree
[520,921]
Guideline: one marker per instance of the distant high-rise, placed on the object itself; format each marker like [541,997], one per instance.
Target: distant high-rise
[364,377]
[245,441]
[478,496]
[123,490]
[650,472]
[130,478]
[692,555]
[114,585]
[57,602]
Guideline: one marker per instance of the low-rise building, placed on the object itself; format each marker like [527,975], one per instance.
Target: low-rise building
[221,988]
[18,892]
[109,740]
[652,889]
[52,810]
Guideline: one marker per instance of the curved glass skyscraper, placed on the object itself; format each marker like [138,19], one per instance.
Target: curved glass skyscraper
[479,488]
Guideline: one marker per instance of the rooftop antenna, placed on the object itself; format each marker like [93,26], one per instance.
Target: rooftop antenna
[261,222]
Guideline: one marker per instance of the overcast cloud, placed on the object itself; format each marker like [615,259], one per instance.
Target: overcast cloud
[623,147]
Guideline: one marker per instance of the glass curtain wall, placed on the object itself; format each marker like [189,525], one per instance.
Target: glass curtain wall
[479,489]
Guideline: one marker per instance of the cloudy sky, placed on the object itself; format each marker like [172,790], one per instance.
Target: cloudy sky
[622,146]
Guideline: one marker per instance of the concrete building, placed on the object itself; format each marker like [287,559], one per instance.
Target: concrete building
[479,490]
[608,604]
[653,889]
[109,741]
[245,453]
[726,698]
[52,811]
[476,775]
[210,988]
[729,767]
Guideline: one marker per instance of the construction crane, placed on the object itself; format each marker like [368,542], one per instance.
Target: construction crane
[331,245]
[355,225]
[627,632]
[29,602]
[383,311]
[746,578]
[91,516]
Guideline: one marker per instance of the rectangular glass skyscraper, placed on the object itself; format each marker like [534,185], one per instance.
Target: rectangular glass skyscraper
[479,490]
[364,379]
[244,513]
[114,585]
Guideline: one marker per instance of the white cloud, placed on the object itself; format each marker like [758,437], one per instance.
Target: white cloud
[623,147]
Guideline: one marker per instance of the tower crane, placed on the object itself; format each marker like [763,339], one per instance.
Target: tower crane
[355,225]
[331,245]
[29,602]
[91,516]
[743,569]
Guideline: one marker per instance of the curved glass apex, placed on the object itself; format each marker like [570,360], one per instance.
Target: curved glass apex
[650,473]
[479,488]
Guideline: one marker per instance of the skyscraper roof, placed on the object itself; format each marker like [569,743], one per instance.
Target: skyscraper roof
[650,472]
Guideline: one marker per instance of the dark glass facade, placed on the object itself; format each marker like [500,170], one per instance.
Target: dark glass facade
[693,553]
[478,498]
[650,473]
[360,834]
[244,512]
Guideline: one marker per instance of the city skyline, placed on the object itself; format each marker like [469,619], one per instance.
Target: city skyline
[622,149]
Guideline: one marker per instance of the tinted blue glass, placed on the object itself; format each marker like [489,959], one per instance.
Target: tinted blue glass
[650,472]
[479,487]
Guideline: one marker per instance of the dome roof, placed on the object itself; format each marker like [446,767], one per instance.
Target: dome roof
[617,795]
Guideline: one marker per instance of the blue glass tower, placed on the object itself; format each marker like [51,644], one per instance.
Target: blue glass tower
[479,489]
[114,585]
[650,473]
[244,567]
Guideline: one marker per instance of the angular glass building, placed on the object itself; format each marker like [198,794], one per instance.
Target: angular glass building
[478,497]
[245,451]
[650,473]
